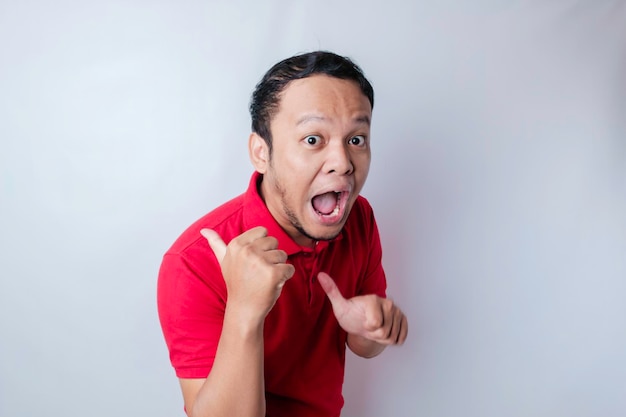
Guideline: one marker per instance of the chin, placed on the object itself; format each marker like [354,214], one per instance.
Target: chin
[324,233]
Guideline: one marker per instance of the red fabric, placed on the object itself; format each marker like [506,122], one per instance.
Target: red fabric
[304,345]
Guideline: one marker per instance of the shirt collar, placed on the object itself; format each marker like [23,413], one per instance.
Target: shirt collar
[256,213]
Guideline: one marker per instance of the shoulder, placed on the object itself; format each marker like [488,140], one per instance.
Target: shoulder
[361,214]
[226,220]
[189,265]
[363,207]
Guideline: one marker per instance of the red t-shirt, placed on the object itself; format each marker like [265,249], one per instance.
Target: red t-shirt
[304,345]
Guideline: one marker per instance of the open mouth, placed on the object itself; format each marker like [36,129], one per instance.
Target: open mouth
[330,205]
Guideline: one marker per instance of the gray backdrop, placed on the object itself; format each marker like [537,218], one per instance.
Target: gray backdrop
[498,180]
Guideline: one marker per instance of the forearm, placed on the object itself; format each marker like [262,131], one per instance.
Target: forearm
[364,347]
[235,386]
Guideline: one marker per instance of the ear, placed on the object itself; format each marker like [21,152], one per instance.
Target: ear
[259,153]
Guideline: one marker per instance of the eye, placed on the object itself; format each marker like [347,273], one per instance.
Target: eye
[312,140]
[357,140]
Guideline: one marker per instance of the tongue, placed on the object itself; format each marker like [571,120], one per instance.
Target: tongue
[325,203]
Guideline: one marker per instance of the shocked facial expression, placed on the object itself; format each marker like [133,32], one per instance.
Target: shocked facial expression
[320,156]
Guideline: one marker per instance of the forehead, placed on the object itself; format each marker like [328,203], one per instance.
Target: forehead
[325,96]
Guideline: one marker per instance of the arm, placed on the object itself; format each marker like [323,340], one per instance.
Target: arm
[254,271]
[372,322]
[235,385]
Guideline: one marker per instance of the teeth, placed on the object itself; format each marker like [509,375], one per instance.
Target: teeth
[336,210]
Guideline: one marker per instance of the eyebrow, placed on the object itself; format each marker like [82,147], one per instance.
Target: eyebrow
[314,117]
[310,118]
[363,119]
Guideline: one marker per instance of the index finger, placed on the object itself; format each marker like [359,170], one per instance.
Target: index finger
[251,235]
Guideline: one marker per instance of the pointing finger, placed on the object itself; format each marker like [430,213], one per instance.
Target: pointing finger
[216,243]
[331,290]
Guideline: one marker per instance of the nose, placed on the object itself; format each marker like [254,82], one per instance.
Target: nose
[339,160]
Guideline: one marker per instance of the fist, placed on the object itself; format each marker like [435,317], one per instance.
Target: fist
[254,270]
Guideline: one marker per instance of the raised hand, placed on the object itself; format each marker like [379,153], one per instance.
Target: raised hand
[369,316]
[254,271]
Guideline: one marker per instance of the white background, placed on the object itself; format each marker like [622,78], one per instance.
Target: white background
[498,180]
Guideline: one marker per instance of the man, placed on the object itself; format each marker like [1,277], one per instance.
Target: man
[259,298]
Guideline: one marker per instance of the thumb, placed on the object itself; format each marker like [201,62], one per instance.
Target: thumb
[216,243]
[331,290]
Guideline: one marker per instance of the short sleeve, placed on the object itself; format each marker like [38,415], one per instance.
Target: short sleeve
[191,299]
[374,280]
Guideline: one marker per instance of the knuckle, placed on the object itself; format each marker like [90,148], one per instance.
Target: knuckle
[247,251]
[376,323]
[279,257]
[382,335]
[273,242]
[288,271]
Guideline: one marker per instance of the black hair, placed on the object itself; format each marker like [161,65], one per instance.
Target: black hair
[266,95]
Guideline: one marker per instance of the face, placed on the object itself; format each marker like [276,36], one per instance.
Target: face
[320,156]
